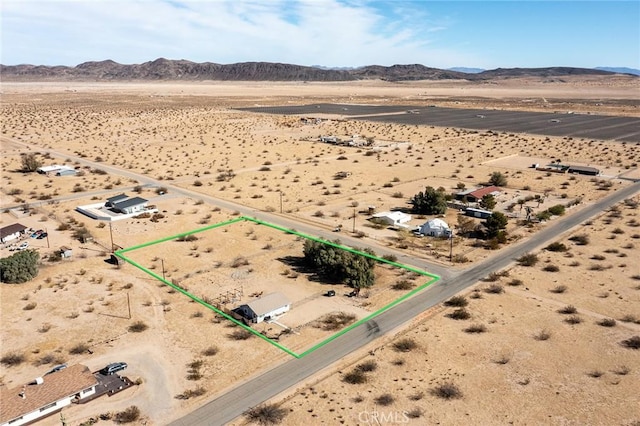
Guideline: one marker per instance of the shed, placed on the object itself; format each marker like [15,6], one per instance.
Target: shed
[435,228]
[66,171]
[66,252]
[482,214]
[584,170]
[265,308]
[11,232]
[393,218]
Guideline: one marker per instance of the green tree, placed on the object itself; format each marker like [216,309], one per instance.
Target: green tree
[30,162]
[340,265]
[431,201]
[495,223]
[19,267]
[466,225]
[488,202]
[498,179]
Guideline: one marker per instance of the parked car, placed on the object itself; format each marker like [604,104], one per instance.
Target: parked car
[56,369]
[43,235]
[23,246]
[113,368]
[37,233]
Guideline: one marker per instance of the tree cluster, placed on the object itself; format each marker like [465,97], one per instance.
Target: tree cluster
[431,201]
[19,267]
[30,162]
[340,265]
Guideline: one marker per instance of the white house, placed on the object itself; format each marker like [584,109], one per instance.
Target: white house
[131,205]
[45,395]
[398,219]
[435,228]
[57,170]
[265,308]
[11,232]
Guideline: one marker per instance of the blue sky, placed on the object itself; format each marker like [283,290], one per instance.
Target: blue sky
[337,33]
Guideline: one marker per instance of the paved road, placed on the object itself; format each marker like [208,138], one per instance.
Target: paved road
[233,403]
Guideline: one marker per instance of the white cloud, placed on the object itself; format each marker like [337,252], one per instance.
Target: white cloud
[324,32]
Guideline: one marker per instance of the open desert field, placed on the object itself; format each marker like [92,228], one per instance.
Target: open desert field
[199,161]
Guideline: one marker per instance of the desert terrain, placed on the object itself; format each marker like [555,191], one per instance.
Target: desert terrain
[182,145]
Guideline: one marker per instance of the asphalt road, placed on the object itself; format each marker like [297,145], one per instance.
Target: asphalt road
[235,402]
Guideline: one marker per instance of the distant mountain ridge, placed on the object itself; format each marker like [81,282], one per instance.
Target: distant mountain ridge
[620,70]
[166,69]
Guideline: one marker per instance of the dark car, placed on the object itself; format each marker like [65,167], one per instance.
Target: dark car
[41,236]
[113,368]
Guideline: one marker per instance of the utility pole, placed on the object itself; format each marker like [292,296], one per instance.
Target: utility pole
[354,220]
[46,232]
[129,305]
[451,247]
[111,235]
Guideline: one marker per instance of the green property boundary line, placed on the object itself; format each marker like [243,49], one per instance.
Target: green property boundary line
[434,279]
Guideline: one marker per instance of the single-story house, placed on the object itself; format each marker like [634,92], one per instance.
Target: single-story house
[393,218]
[482,214]
[131,205]
[66,252]
[11,232]
[435,228]
[265,308]
[57,170]
[66,171]
[584,170]
[45,395]
[476,195]
[111,201]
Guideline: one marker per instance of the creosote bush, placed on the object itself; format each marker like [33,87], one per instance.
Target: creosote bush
[542,335]
[129,415]
[459,314]
[405,345]
[475,329]
[568,310]
[528,259]
[457,301]
[78,349]
[607,322]
[268,414]
[12,359]
[631,343]
[137,327]
[446,390]
[384,399]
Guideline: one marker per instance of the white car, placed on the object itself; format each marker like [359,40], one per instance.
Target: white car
[23,246]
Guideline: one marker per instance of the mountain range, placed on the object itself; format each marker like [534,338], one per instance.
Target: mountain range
[166,69]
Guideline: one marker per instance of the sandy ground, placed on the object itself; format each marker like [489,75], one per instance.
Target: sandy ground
[186,135]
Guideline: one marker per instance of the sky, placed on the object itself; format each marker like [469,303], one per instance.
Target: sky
[332,33]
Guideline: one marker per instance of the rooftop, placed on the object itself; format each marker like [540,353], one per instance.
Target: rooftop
[11,229]
[268,303]
[55,387]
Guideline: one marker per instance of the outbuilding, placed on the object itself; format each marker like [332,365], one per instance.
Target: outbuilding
[45,395]
[11,232]
[265,308]
[66,252]
[482,214]
[435,228]
[584,170]
[393,218]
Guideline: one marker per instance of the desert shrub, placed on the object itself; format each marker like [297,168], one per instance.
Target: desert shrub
[355,377]
[567,310]
[446,390]
[581,240]
[269,414]
[595,373]
[240,334]
[494,289]
[559,289]
[515,282]
[210,351]
[137,327]
[628,318]
[556,247]
[30,306]
[598,257]
[192,393]
[129,415]
[622,370]
[367,366]
[631,343]
[403,285]
[476,328]
[390,257]
[527,259]
[335,321]
[573,319]
[415,413]
[384,399]
[607,322]
[48,359]
[459,314]
[551,268]
[457,301]
[557,210]
[78,349]
[239,261]
[542,335]
[12,359]
[405,345]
